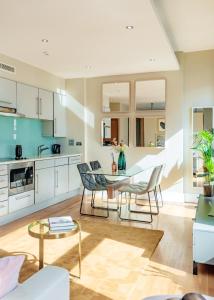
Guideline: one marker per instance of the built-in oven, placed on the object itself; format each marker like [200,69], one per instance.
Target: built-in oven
[21,177]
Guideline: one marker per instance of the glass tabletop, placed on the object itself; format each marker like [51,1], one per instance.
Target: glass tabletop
[41,229]
[123,173]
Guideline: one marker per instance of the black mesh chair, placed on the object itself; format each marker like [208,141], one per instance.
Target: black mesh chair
[91,185]
[100,179]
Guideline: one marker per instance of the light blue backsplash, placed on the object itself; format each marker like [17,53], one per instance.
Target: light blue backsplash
[25,132]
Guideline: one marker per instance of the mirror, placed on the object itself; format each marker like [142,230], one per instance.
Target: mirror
[115,129]
[202,119]
[116,97]
[150,95]
[150,132]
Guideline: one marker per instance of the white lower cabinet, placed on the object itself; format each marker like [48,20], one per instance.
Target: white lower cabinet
[3,208]
[44,185]
[61,180]
[20,201]
[74,178]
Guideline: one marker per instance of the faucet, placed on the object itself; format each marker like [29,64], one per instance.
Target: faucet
[41,148]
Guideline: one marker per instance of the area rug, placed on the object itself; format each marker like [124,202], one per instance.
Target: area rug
[113,258]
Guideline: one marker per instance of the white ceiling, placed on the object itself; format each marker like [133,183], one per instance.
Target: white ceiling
[86,38]
[189,23]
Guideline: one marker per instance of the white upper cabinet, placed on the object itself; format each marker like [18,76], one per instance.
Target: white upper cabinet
[7,93]
[45,105]
[34,102]
[60,115]
[28,100]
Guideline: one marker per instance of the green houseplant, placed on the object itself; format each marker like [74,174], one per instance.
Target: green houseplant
[203,144]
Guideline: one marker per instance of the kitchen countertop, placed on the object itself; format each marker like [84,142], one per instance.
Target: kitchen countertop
[35,158]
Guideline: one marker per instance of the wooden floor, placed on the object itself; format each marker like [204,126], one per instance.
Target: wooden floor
[170,269]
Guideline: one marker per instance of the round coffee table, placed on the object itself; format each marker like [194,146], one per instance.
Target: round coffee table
[40,230]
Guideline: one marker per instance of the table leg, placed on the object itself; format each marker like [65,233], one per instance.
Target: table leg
[41,253]
[80,254]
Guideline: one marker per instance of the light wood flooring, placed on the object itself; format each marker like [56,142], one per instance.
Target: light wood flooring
[170,268]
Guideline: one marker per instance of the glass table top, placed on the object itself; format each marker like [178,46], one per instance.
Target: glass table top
[123,173]
[40,229]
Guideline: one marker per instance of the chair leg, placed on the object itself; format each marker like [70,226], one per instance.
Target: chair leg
[139,212]
[156,200]
[160,191]
[101,207]
[92,201]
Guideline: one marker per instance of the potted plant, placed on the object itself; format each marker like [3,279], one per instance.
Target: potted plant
[203,144]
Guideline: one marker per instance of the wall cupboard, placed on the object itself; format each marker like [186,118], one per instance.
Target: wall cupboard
[7,93]
[35,103]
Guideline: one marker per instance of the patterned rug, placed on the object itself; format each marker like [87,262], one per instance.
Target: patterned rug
[113,257]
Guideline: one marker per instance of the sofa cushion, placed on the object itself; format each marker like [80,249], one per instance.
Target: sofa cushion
[9,273]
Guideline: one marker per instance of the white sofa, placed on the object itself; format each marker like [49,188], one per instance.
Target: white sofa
[50,283]
[174,297]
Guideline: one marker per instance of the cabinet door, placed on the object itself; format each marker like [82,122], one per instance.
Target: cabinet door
[28,100]
[74,178]
[59,115]
[7,93]
[44,185]
[45,105]
[20,201]
[61,180]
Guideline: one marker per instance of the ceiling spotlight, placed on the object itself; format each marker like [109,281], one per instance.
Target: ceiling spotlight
[152,59]
[45,53]
[129,27]
[44,40]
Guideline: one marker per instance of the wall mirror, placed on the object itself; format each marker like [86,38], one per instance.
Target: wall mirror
[116,97]
[202,119]
[150,132]
[150,95]
[115,129]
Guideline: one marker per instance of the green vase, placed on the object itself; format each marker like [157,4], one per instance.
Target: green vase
[122,161]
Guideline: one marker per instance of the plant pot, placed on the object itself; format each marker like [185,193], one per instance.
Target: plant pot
[208,190]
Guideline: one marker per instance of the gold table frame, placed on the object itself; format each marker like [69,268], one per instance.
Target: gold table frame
[44,234]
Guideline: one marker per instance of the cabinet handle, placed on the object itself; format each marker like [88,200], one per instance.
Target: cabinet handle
[57,179]
[37,105]
[22,197]
[54,125]
[40,105]
[37,183]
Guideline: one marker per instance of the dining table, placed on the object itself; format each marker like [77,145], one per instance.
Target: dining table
[120,177]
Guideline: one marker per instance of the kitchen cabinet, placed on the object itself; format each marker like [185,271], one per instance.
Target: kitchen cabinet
[60,115]
[44,180]
[61,180]
[45,105]
[28,100]
[34,103]
[3,208]
[44,185]
[20,201]
[74,177]
[7,93]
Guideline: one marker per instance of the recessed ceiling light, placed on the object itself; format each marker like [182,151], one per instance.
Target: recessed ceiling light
[152,59]
[44,40]
[129,27]
[45,53]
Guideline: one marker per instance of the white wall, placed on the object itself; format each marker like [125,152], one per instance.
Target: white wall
[31,75]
